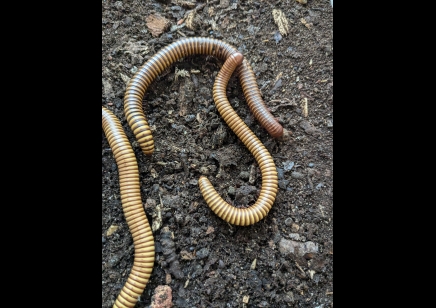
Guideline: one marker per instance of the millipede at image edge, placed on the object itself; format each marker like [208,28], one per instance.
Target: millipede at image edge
[129,176]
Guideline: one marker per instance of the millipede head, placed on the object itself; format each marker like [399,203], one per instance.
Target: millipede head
[237,58]
[276,131]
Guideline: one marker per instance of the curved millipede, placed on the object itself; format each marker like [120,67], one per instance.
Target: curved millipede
[139,83]
[133,210]
[254,213]
[233,60]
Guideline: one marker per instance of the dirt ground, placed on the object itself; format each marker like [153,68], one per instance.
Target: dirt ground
[286,259]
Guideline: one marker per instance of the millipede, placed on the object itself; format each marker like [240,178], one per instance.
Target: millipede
[133,211]
[128,169]
[233,60]
[139,83]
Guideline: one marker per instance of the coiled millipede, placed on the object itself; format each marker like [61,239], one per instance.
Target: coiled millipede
[135,116]
[133,211]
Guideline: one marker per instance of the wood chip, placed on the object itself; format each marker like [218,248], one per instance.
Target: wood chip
[281,21]
[304,107]
[111,230]
[253,265]
[168,278]
[190,23]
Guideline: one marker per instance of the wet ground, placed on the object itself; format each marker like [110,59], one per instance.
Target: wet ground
[285,260]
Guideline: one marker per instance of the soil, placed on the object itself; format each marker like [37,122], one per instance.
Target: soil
[286,259]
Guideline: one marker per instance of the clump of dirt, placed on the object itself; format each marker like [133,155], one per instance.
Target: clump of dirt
[205,261]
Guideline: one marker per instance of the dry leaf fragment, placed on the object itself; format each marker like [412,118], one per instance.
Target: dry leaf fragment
[157,24]
[125,78]
[209,230]
[187,255]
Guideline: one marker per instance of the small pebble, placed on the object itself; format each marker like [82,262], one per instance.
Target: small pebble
[103,239]
[128,21]
[263,304]
[297,175]
[283,184]
[204,170]
[280,173]
[244,175]
[311,165]
[202,253]
[277,37]
[294,236]
[231,191]
[295,228]
[157,247]
[287,165]
[297,248]
[221,264]
[114,261]
[179,218]
[190,117]
[288,221]
[118,102]
[168,278]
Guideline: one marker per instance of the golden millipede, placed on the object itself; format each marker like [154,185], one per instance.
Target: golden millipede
[234,60]
[139,83]
[133,210]
[128,169]
[254,213]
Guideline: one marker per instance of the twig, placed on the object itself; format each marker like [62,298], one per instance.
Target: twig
[299,267]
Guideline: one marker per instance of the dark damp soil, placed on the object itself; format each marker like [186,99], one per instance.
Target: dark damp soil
[293,246]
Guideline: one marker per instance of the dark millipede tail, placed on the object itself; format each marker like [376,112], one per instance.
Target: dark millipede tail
[133,211]
[260,209]
[255,101]
[139,83]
